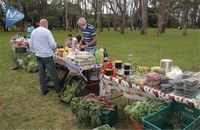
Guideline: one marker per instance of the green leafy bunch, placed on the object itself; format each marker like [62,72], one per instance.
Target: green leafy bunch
[87,111]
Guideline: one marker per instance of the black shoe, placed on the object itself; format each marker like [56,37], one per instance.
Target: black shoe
[58,91]
[14,68]
[45,92]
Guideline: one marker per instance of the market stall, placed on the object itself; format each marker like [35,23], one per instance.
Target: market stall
[133,91]
[163,97]
[79,70]
[22,57]
[160,87]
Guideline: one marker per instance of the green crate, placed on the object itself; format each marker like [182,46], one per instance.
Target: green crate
[110,117]
[160,120]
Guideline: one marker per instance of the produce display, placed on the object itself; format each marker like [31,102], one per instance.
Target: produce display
[32,65]
[138,109]
[27,62]
[175,121]
[134,81]
[68,92]
[88,109]
[187,85]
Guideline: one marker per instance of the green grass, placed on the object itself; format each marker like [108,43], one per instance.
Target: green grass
[24,106]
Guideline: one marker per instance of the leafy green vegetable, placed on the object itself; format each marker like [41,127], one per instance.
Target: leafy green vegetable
[68,93]
[32,65]
[87,110]
[137,110]
[175,121]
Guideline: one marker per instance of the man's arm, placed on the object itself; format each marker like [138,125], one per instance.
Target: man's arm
[31,46]
[51,40]
[94,40]
[81,41]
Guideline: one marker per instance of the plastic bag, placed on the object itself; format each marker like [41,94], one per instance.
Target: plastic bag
[175,71]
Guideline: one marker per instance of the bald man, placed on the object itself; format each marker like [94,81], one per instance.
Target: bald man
[42,44]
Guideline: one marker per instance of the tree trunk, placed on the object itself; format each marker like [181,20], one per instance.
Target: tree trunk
[132,10]
[85,8]
[161,17]
[194,13]
[101,16]
[123,24]
[120,11]
[139,13]
[185,16]
[44,8]
[2,19]
[66,18]
[144,17]
[95,7]
[108,18]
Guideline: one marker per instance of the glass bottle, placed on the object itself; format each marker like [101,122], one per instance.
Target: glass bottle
[105,54]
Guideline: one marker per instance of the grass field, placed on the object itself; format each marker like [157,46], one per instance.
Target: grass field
[25,108]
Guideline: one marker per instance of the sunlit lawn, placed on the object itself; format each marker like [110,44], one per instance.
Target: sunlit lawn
[24,106]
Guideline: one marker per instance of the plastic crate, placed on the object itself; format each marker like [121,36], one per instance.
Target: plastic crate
[20,49]
[110,117]
[103,127]
[72,79]
[160,120]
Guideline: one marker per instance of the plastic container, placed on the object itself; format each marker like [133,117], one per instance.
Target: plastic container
[108,72]
[98,56]
[160,120]
[118,64]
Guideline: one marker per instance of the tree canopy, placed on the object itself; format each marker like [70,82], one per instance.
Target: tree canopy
[117,14]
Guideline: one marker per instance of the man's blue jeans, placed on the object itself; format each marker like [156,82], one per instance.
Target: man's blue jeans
[48,63]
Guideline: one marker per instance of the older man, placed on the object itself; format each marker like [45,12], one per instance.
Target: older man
[89,36]
[43,43]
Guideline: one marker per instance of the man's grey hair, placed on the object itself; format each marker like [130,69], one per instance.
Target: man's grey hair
[43,21]
[82,21]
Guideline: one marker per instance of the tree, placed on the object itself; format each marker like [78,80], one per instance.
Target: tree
[144,17]
[120,13]
[2,18]
[162,10]
[43,8]
[186,7]
[194,12]
[66,18]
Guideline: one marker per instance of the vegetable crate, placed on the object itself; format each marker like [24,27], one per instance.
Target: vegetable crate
[20,49]
[189,118]
[73,87]
[104,127]
[110,117]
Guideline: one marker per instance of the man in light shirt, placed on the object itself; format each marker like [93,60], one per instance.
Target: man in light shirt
[42,44]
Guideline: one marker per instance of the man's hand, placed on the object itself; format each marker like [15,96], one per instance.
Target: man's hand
[84,46]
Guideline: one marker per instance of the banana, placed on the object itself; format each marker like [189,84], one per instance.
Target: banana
[143,69]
